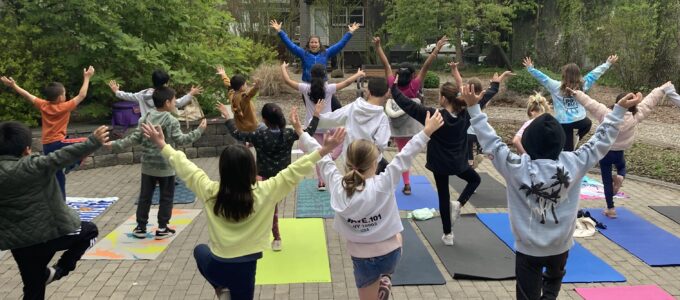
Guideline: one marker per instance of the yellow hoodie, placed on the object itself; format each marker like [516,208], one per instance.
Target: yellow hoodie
[230,239]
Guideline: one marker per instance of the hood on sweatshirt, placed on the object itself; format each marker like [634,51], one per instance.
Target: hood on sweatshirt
[365,112]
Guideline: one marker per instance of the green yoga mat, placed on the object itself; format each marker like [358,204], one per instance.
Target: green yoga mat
[312,203]
[303,258]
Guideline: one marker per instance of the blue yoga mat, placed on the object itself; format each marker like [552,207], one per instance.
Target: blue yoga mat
[422,195]
[89,208]
[582,265]
[183,195]
[312,203]
[651,244]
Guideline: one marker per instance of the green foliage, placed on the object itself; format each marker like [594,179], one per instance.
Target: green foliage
[525,84]
[125,40]
[431,80]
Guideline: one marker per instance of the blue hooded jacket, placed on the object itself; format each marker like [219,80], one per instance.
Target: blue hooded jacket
[308,58]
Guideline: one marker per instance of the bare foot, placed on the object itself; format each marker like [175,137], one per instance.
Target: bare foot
[618,183]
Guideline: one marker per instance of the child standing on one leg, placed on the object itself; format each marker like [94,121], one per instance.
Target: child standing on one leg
[543,188]
[55,112]
[536,106]
[155,168]
[625,139]
[272,145]
[366,212]
[35,222]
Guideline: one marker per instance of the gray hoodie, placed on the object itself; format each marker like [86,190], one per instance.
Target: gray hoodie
[543,194]
[153,163]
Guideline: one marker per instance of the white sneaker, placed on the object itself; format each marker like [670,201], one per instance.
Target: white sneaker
[577,138]
[448,239]
[276,245]
[455,211]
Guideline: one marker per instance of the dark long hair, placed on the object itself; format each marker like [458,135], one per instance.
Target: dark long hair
[317,88]
[273,116]
[571,78]
[405,73]
[237,176]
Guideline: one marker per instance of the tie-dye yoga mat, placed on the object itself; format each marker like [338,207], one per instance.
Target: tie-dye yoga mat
[121,245]
[592,189]
[89,208]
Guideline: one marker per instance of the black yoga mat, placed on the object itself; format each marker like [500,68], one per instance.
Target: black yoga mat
[476,254]
[416,266]
[489,194]
[671,212]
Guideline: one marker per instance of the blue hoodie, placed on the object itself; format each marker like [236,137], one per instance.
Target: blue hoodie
[308,58]
[567,109]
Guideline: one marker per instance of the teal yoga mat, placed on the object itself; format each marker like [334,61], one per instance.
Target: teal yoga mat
[312,203]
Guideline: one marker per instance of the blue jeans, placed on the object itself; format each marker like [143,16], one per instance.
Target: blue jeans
[236,274]
[369,270]
[61,178]
[616,159]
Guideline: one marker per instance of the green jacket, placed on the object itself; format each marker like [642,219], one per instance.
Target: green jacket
[32,210]
[153,163]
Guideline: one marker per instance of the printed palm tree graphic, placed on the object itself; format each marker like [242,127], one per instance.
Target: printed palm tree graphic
[547,197]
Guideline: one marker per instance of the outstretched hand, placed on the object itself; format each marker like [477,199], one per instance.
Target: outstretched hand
[276,25]
[204,124]
[196,90]
[467,93]
[220,71]
[295,120]
[154,133]
[223,110]
[8,81]
[376,40]
[432,123]
[318,107]
[502,77]
[441,42]
[630,100]
[115,87]
[353,27]
[570,92]
[453,65]
[527,62]
[332,141]
[89,72]
[360,73]
[284,65]
[101,134]
[612,59]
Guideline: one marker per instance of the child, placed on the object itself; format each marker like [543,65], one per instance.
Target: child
[239,208]
[624,140]
[313,92]
[364,119]
[272,145]
[536,106]
[55,112]
[159,79]
[35,221]
[155,168]
[568,111]
[402,126]
[543,188]
[366,212]
[240,97]
[446,151]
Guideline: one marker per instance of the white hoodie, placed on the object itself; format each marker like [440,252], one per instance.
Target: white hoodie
[370,215]
[362,120]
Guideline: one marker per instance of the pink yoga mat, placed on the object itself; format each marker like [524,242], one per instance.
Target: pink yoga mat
[647,292]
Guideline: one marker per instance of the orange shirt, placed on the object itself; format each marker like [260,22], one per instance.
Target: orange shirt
[55,117]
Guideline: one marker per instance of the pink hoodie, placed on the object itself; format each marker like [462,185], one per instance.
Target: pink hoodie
[627,129]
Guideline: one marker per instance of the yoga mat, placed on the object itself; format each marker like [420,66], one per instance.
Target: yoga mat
[489,194]
[416,266]
[653,245]
[89,208]
[423,194]
[477,252]
[635,292]
[121,245]
[312,203]
[303,258]
[183,195]
[671,212]
[582,265]
[592,189]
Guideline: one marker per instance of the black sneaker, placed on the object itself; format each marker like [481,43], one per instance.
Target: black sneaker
[139,232]
[53,274]
[165,233]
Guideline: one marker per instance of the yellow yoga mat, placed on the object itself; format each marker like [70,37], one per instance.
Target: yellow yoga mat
[304,257]
[121,245]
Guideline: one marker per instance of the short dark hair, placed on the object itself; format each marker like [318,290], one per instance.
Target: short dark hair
[237,81]
[53,90]
[159,78]
[162,94]
[377,86]
[272,114]
[14,138]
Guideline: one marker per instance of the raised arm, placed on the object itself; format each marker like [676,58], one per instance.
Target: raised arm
[426,65]
[184,139]
[295,49]
[223,74]
[597,109]
[455,73]
[252,91]
[87,74]
[648,103]
[186,99]
[334,118]
[70,154]
[286,78]
[9,81]
[134,138]
[596,73]
[345,83]
[413,109]
[382,56]
[337,47]
[552,85]
[248,137]
[494,87]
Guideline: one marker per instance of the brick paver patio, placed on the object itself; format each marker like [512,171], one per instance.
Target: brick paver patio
[174,275]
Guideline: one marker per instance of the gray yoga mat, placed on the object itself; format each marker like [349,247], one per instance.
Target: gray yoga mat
[671,212]
[489,194]
[477,252]
[416,266]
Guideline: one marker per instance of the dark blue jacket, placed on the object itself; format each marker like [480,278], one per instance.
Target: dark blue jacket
[308,58]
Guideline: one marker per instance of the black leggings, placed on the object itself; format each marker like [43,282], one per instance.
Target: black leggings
[532,282]
[442,183]
[472,141]
[583,127]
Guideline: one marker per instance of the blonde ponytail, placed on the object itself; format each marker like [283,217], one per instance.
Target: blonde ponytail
[361,155]
[537,103]
[353,181]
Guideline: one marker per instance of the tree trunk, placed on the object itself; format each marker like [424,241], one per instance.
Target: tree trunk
[458,42]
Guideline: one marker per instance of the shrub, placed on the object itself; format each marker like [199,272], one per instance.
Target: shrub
[270,75]
[337,73]
[431,80]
